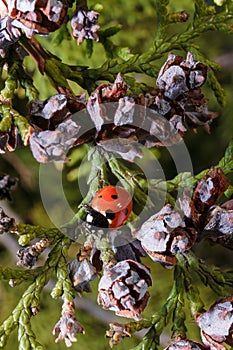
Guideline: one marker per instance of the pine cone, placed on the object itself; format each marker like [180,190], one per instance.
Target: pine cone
[123,289]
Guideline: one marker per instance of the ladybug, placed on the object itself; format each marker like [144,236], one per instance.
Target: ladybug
[115,203]
[111,205]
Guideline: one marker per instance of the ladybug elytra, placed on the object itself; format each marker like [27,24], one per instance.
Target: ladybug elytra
[111,205]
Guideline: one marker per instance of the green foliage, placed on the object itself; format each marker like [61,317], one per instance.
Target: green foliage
[29,304]
[72,69]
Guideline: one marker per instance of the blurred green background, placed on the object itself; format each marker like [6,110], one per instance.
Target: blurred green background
[138,20]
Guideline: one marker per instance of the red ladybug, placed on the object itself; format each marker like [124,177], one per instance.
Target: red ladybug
[115,203]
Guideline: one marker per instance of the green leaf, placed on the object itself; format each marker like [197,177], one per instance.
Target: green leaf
[217,89]
[162,20]
[226,163]
[225,28]
[229,192]
[108,46]
[149,342]
[5,123]
[23,126]
[62,34]
[200,8]
[89,48]
[110,31]
[124,53]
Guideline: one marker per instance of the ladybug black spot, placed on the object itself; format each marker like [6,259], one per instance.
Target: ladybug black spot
[114,196]
[126,211]
[100,196]
[110,214]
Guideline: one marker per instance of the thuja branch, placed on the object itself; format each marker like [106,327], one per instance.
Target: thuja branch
[98,176]
[104,169]
[28,232]
[29,304]
[187,180]
[162,14]
[178,327]
[19,275]
[63,286]
[210,275]
[21,314]
[129,179]
[46,62]
[192,291]
[59,72]
[173,308]
[17,75]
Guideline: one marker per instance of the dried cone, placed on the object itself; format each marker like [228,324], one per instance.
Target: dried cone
[6,184]
[85,25]
[209,189]
[8,34]
[165,234]
[7,224]
[53,113]
[219,224]
[180,82]
[105,93]
[28,256]
[68,326]
[117,333]
[131,121]
[81,273]
[206,194]
[10,139]
[30,16]
[53,145]
[48,114]
[220,220]
[216,324]
[178,76]
[185,345]
[123,289]
[196,111]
